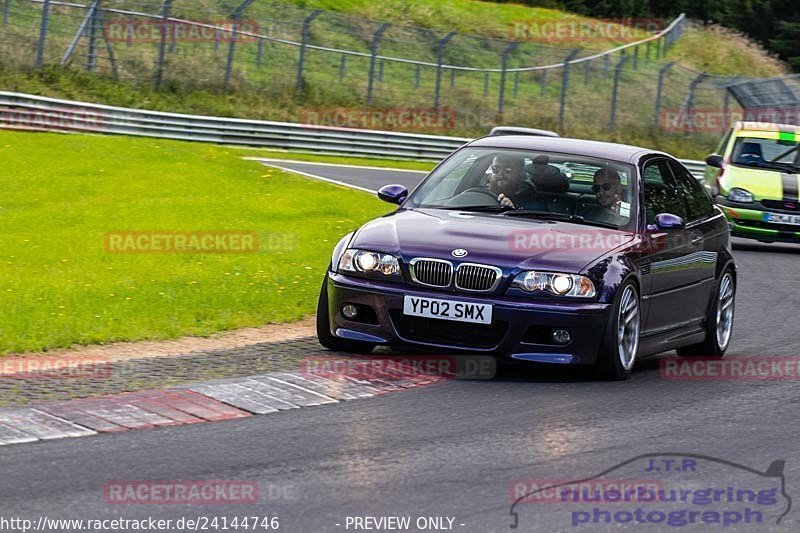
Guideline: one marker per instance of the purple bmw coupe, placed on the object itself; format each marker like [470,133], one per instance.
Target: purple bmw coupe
[539,249]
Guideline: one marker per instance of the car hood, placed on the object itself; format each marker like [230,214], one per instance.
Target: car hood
[762,183]
[491,239]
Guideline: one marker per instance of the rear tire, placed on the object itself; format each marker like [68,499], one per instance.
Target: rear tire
[719,321]
[620,345]
[324,335]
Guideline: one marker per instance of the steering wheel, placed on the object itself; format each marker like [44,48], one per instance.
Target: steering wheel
[473,196]
[749,159]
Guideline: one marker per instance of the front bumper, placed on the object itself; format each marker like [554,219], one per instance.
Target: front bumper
[519,328]
[747,221]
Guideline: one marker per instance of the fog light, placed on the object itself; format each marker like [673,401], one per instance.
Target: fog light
[349,311]
[561,336]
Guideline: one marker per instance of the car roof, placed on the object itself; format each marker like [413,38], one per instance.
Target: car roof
[623,153]
[764,126]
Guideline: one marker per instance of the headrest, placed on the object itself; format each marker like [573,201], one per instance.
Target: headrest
[546,177]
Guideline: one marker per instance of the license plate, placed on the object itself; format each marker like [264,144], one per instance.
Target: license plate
[447,310]
[780,218]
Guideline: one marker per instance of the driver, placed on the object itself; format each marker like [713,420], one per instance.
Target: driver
[507,181]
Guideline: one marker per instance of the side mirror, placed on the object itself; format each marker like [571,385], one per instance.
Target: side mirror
[394,194]
[669,221]
[714,160]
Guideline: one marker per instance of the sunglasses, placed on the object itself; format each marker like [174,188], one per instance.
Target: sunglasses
[502,170]
[604,186]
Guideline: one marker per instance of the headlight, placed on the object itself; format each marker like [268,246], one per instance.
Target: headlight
[740,195]
[555,283]
[369,263]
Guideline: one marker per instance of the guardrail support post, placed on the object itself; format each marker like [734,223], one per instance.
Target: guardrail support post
[440,59]
[304,41]
[43,33]
[660,91]
[373,47]
[502,97]
[617,73]
[565,87]
[237,19]
[162,47]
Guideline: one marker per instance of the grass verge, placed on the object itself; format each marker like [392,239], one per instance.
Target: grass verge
[64,193]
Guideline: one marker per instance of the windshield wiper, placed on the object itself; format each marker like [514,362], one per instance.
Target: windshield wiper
[477,208]
[547,215]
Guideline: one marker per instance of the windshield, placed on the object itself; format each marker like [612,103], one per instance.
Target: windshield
[533,183]
[783,155]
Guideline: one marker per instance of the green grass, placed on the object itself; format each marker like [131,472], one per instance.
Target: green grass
[63,193]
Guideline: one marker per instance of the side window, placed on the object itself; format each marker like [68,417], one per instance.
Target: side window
[661,192]
[698,202]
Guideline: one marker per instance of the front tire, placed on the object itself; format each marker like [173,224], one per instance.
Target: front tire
[719,321]
[620,344]
[324,335]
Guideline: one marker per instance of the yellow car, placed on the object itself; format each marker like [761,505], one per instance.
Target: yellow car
[753,177]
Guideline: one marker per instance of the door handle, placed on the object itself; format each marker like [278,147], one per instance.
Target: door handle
[697,239]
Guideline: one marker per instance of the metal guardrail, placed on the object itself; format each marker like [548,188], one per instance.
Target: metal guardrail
[38,113]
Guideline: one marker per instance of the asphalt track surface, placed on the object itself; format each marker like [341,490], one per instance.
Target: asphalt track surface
[455,449]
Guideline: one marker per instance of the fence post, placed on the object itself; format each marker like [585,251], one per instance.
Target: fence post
[502,97]
[92,42]
[304,41]
[635,58]
[43,33]
[81,30]
[660,91]
[587,71]
[237,19]
[452,77]
[342,66]
[376,37]
[439,60]
[617,74]
[689,102]
[6,11]
[486,84]
[543,82]
[162,47]
[260,53]
[565,87]
[416,77]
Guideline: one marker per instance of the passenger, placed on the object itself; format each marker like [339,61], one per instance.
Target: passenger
[608,189]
